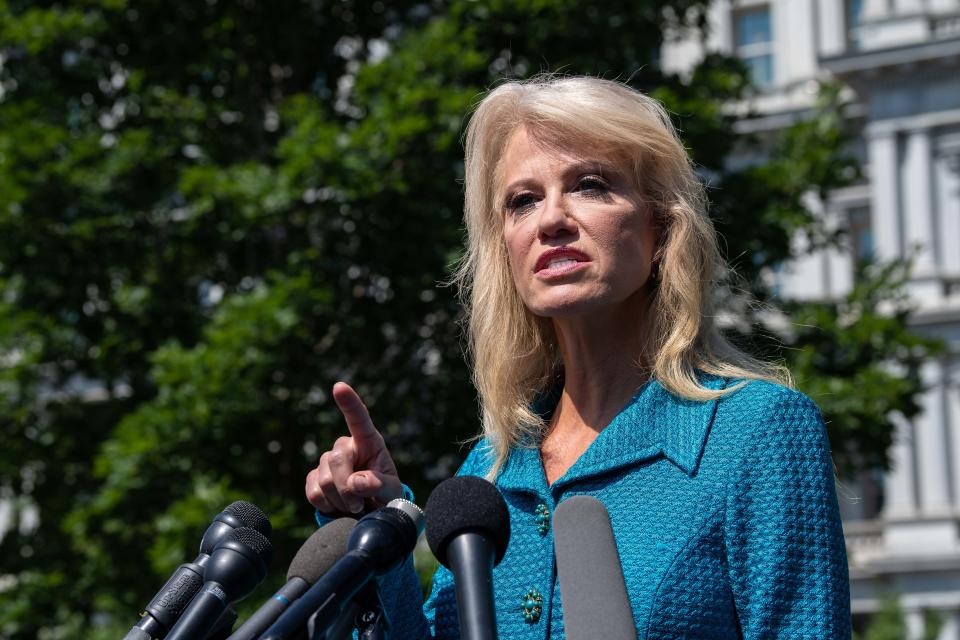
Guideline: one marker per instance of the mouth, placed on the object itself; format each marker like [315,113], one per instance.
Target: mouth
[560,261]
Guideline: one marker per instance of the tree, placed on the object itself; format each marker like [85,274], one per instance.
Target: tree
[888,623]
[209,212]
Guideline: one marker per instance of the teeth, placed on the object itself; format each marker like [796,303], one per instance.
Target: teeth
[560,262]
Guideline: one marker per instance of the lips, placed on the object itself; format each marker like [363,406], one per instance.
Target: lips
[560,259]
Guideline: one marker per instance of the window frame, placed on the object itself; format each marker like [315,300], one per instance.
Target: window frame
[755,50]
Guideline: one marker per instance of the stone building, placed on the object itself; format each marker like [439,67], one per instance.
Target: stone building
[900,60]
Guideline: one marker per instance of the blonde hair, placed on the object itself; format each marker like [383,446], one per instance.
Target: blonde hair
[514,352]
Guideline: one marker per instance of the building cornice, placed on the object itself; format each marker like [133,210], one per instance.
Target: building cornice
[868,62]
[906,565]
[926,318]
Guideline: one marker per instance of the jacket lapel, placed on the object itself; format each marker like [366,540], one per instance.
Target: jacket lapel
[523,471]
[655,423]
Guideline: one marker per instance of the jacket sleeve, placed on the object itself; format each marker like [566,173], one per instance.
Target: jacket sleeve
[785,548]
[400,592]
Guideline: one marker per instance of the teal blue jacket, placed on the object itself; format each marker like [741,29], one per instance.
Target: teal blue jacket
[724,513]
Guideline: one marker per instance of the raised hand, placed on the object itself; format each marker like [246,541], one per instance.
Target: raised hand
[358,469]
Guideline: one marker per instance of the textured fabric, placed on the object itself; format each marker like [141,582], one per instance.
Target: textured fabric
[724,513]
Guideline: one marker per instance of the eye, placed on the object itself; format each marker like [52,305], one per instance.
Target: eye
[519,202]
[592,185]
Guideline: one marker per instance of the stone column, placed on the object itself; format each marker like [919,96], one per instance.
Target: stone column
[951,625]
[914,623]
[918,203]
[832,27]
[948,203]
[908,7]
[884,193]
[876,9]
[900,490]
[943,6]
[931,441]
[952,418]
[720,34]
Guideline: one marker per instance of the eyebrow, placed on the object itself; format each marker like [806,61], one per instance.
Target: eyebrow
[603,169]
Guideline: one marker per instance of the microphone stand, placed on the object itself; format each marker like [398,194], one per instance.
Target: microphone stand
[371,622]
[364,613]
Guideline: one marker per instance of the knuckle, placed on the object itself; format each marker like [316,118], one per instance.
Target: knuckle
[314,494]
[337,458]
[323,476]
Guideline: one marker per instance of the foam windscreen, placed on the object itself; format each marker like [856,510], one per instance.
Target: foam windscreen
[466,503]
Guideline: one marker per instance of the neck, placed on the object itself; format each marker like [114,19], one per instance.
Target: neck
[600,359]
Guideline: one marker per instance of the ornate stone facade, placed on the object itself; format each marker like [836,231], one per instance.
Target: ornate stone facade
[901,62]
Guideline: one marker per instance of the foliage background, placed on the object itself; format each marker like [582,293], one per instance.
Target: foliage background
[211,211]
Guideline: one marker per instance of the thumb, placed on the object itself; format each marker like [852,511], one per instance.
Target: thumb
[376,485]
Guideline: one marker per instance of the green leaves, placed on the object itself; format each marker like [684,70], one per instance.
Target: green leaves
[210,212]
[37,30]
[860,361]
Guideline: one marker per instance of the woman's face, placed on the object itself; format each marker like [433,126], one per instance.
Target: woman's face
[578,234]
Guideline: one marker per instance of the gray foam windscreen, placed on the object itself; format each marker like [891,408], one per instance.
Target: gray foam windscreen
[321,550]
[594,596]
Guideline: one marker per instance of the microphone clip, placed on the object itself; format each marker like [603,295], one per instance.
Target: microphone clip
[371,621]
[364,614]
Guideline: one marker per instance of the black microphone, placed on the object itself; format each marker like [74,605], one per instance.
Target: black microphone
[236,566]
[320,552]
[594,596]
[380,542]
[165,608]
[468,528]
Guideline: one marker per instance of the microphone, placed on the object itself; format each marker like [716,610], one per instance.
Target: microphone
[594,596]
[380,542]
[320,552]
[168,604]
[236,566]
[468,529]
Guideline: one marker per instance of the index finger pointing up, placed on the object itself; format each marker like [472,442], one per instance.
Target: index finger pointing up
[355,413]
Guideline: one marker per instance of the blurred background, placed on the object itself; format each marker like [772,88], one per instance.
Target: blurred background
[211,211]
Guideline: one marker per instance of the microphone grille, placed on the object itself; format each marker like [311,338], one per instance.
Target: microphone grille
[251,516]
[254,540]
[465,503]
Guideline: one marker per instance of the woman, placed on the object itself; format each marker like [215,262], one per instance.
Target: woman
[590,275]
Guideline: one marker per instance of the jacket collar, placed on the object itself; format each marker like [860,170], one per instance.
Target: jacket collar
[654,423]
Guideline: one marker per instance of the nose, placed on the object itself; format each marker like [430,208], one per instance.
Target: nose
[555,219]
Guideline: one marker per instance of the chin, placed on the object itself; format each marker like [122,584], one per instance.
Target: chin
[580,304]
[563,308]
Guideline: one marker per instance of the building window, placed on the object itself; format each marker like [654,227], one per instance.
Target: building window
[854,17]
[753,38]
[861,234]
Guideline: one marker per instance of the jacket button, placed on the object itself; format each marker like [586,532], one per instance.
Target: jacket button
[542,518]
[532,606]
